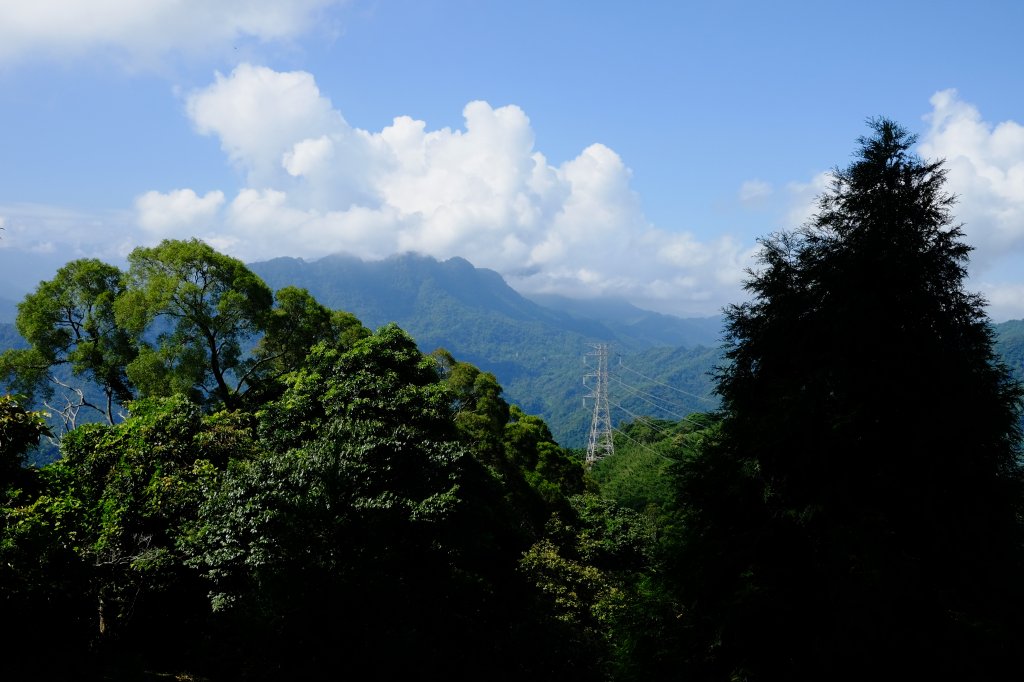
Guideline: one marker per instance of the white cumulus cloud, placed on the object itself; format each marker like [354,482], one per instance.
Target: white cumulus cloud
[804,198]
[985,172]
[316,185]
[177,212]
[142,30]
[985,162]
[308,156]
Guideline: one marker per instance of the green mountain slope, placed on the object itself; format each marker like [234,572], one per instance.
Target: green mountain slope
[536,352]
[1010,345]
[661,365]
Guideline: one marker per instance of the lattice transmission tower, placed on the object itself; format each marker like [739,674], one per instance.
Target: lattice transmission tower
[600,443]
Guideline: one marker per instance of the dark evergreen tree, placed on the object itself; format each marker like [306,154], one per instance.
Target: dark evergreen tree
[858,514]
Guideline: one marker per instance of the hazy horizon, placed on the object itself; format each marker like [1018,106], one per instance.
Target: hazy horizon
[585,150]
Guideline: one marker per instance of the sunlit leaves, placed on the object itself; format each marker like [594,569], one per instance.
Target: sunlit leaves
[205,306]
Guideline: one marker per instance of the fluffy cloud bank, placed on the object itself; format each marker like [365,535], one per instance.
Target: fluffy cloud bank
[145,29]
[985,164]
[316,185]
[986,172]
[182,209]
[313,185]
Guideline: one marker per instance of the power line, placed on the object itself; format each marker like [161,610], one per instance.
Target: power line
[643,446]
[647,420]
[662,383]
[600,442]
[640,394]
[648,398]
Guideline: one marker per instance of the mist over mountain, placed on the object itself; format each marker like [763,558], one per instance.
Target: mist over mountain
[643,328]
[9,337]
[8,310]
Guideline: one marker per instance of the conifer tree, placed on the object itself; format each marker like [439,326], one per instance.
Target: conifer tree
[857,516]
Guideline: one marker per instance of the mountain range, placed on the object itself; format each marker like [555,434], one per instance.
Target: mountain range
[537,347]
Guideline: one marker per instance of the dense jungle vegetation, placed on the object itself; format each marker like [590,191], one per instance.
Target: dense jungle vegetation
[269,490]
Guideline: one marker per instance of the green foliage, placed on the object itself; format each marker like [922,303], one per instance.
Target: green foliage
[69,320]
[20,429]
[533,474]
[184,320]
[140,485]
[640,475]
[840,523]
[481,412]
[548,468]
[350,476]
[589,568]
[44,582]
[366,507]
[210,306]
[95,541]
[293,327]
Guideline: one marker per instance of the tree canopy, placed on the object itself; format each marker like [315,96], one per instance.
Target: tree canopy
[19,430]
[211,305]
[69,322]
[184,319]
[284,494]
[347,512]
[859,509]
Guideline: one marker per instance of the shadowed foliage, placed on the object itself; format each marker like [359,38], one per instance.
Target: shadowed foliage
[858,513]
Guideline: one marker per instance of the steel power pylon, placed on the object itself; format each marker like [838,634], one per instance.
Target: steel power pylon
[600,442]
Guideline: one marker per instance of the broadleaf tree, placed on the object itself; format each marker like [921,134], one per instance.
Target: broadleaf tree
[367,535]
[209,306]
[296,324]
[69,321]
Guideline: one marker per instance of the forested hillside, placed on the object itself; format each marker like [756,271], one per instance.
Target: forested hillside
[634,328]
[334,502]
[1009,345]
[268,489]
[535,351]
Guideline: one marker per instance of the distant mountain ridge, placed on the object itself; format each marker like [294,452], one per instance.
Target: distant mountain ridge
[8,310]
[661,365]
[535,351]
[627,322]
[395,289]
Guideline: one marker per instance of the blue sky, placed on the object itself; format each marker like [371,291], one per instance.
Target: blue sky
[584,148]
